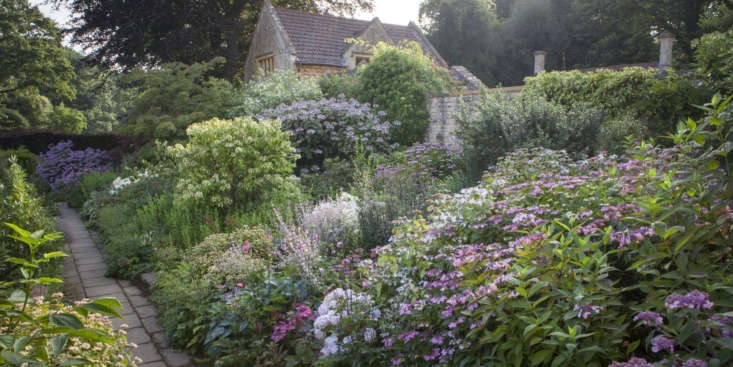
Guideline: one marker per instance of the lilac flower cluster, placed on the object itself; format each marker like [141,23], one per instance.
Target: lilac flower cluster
[650,318]
[332,128]
[60,165]
[437,160]
[661,343]
[633,362]
[696,300]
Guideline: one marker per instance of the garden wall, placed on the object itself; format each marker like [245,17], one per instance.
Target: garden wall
[444,111]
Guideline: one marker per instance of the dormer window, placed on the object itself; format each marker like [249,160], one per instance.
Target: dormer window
[266,63]
[362,60]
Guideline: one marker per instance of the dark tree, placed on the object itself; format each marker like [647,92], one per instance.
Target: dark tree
[131,33]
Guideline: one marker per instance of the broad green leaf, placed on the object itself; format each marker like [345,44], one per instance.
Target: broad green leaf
[46,280]
[713,165]
[58,344]
[67,320]
[54,254]
[541,356]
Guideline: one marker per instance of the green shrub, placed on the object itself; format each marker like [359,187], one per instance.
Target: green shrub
[76,194]
[231,163]
[713,52]
[501,123]
[614,132]
[37,332]
[398,80]
[340,84]
[25,158]
[265,92]
[660,102]
[67,119]
[336,176]
[184,292]
[174,96]
[20,204]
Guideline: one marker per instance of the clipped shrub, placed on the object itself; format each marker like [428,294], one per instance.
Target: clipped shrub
[232,163]
[267,92]
[336,84]
[332,128]
[60,165]
[659,102]
[398,80]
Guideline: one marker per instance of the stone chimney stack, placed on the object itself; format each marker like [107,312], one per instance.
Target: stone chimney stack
[666,41]
[539,61]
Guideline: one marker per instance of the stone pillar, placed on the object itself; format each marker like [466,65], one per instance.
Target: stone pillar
[666,41]
[539,61]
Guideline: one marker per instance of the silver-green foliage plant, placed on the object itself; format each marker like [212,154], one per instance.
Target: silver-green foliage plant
[265,92]
[39,333]
[232,162]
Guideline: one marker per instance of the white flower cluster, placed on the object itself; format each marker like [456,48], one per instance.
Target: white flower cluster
[333,220]
[121,182]
[337,304]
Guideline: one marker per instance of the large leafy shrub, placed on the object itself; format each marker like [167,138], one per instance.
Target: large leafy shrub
[332,128]
[37,332]
[61,165]
[659,102]
[174,96]
[232,163]
[713,52]
[502,123]
[554,262]
[21,204]
[398,79]
[266,92]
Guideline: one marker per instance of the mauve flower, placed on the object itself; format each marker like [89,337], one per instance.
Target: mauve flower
[694,362]
[633,362]
[693,300]
[584,311]
[661,343]
[649,318]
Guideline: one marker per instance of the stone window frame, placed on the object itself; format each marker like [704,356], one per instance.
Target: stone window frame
[361,57]
[266,63]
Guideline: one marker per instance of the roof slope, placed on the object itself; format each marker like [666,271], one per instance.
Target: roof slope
[319,39]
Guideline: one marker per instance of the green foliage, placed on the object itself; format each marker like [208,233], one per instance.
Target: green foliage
[502,123]
[658,102]
[398,80]
[614,133]
[713,52]
[19,203]
[232,163]
[266,92]
[76,194]
[50,333]
[25,158]
[173,96]
[336,84]
[67,119]
[336,176]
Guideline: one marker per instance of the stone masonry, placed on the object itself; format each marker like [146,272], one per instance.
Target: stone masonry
[84,277]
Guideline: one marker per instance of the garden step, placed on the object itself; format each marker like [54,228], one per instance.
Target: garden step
[84,276]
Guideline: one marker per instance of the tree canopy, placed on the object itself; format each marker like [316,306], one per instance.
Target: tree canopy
[495,39]
[135,33]
[32,67]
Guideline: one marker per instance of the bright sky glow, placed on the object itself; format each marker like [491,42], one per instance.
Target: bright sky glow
[394,11]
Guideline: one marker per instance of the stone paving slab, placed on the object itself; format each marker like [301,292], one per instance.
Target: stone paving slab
[84,275]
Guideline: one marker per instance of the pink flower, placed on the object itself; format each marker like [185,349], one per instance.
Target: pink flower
[245,246]
[240,285]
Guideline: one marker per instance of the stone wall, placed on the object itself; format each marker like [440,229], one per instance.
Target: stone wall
[317,71]
[269,39]
[444,111]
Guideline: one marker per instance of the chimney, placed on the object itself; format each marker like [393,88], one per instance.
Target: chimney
[666,41]
[539,61]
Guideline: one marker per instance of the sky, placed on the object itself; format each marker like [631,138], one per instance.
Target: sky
[388,11]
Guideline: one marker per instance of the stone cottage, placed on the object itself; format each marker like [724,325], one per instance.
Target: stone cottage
[314,44]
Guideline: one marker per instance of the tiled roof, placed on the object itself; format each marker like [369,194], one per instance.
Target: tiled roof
[319,39]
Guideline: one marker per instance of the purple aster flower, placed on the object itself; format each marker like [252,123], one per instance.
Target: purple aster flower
[584,311]
[633,362]
[694,362]
[693,300]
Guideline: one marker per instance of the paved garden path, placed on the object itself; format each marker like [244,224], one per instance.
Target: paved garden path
[84,277]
